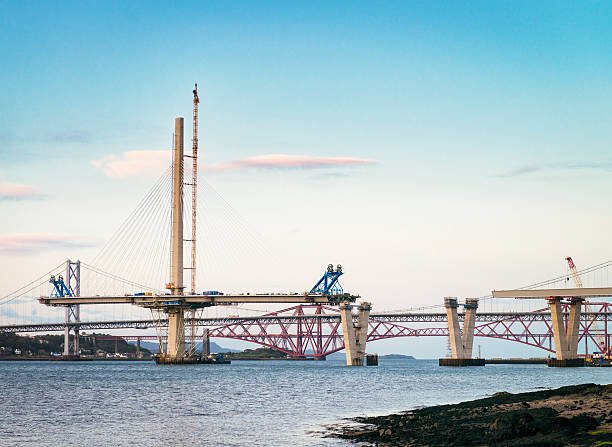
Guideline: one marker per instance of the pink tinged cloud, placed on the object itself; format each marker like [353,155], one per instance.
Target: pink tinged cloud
[16,191]
[30,242]
[144,162]
[133,163]
[282,161]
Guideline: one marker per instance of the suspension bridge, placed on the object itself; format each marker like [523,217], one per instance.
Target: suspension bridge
[76,296]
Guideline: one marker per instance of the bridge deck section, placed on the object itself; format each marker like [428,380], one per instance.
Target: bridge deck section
[330,318]
[205,300]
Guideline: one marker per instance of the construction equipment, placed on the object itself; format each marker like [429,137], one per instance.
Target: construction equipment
[328,284]
[593,323]
[194,189]
[574,271]
[194,207]
[59,287]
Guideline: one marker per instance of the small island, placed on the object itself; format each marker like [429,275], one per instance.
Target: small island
[579,415]
[396,357]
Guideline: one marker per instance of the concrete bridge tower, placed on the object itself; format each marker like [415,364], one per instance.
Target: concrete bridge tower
[566,339]
[176,315]
[355,334]
[461,344]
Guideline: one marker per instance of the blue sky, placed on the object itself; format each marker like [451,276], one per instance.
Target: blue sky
[487,125]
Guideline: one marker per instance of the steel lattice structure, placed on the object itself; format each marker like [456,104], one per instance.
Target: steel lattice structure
[317,336]
[309,330]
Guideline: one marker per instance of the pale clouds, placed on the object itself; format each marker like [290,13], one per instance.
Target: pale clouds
[133,163]
[153,162]
[35,242]
[523,170]
[17,191]
[283,161]
[555,167]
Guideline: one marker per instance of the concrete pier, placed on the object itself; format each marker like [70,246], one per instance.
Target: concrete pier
[176,317]
[454,330]
[355,335]
[471,305]
[566,339]
[205,343]
[461,344]
[176,333]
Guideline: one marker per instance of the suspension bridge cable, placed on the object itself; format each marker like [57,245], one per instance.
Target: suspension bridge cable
[118,252]
[45,275]
[122,228]
[131,233]
[238,219]
[116,277]
[122,235]
[130,260]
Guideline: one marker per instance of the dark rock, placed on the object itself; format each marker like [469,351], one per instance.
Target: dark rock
[484,423]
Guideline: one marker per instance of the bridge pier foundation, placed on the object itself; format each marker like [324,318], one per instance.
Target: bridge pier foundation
[461,344]
[176,333]
[205,343]
[566,339]
[355,335]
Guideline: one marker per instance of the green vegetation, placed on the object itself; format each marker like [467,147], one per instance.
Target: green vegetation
[46,345]
[256,354]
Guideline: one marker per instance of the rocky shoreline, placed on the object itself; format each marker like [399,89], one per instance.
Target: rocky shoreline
[579,415]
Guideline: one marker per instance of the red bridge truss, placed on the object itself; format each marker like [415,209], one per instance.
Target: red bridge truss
[311,330]
[314,330]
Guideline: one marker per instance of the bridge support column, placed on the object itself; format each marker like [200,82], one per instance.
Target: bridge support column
[471,304]
[175,347]
[454,329]
[355,335]
[205,343]
[176,333]
[566,339]
[461,345]
[72,313]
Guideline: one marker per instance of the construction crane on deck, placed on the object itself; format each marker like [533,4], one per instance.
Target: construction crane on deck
[597,331]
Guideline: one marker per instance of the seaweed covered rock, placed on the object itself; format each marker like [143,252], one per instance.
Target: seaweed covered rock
[574,415]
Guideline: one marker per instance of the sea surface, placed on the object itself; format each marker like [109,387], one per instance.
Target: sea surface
[247,403]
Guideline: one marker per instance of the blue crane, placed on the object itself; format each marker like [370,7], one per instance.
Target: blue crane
[329,284]
[59,287]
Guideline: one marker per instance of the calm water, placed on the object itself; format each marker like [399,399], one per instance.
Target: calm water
[243,404]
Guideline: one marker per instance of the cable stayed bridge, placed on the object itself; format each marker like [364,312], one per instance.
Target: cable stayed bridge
[149,248]
[314,329]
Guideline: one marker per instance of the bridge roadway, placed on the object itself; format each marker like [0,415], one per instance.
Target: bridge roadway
[198,300]
[271,319]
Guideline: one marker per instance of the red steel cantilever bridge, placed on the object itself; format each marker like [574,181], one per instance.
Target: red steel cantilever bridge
[314,330]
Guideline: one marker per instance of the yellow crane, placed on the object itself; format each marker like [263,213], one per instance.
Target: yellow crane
[593,323]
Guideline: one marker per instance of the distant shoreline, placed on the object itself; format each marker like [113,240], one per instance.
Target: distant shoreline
[578,415]
[62,359]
